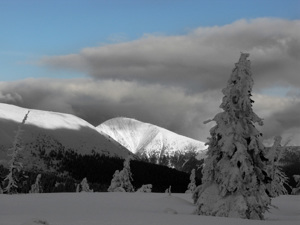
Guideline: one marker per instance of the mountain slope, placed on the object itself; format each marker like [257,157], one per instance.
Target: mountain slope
[147,139]
[48,131]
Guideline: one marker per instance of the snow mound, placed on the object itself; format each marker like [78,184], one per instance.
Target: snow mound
[36,222]
[173,200]
[170,211]
[127,208]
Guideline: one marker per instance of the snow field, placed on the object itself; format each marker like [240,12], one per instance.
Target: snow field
[126,209]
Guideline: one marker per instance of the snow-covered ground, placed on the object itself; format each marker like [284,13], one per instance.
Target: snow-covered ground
[126,209]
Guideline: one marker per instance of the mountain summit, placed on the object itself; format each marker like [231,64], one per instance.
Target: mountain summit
[47,131]
[147,139]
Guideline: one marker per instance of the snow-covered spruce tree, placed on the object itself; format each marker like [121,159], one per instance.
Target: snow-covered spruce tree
[122,180]
[116,183]
[147,188]
[85,186]
[168,190]
[235,177]
[37,187]
[15,165]
[78,188]
[192,185]
[296,190]
[279,180]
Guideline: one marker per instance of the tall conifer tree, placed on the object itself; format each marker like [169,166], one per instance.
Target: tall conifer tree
[235,178]
[192,185]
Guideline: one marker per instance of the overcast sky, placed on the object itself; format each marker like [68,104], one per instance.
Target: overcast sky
[162,62]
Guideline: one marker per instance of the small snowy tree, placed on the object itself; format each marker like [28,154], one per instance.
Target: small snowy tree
[296,190]
[168,190]
[115,182]
[277,186]
[192,184]
[235,176]
[85,186]
[147,188]
[78,188]
[122,179]
[37,187]
[15,164]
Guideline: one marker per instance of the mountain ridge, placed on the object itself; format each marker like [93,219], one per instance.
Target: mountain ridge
[52,130]
[145,138]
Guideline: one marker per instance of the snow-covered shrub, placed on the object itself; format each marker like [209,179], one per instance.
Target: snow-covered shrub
[235,174]
[279,180]
[122,179]
[168,190]
[145,188]
[15,164]
[115,182]
[296,190]
[119,189]
[84,186]
[78,188]
[37,187]
[192,185]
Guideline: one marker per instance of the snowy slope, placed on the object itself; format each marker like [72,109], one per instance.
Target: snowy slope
[126,209]
[53,130]
[144,138]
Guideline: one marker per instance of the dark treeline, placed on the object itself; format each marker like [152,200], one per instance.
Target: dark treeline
[291,166]
[71,168]
[99,170]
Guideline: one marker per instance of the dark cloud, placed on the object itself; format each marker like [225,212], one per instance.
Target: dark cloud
[98,101]
[174,81]
[170,107]
[287,120]
[10,97]
[198,61]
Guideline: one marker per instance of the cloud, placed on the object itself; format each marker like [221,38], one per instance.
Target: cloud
[175,81]
[170,107]
[10,97]
[97,101]
[198,61]
[285,122]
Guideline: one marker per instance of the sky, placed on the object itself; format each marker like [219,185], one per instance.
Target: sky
[161,62]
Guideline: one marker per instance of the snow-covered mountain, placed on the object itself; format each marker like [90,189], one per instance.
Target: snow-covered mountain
[46,131]
[148,139]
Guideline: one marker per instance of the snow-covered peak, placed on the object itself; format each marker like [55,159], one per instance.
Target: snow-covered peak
[140,137]
[52,129]
[43,119]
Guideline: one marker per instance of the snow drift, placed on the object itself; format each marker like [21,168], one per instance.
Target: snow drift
[96,208]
